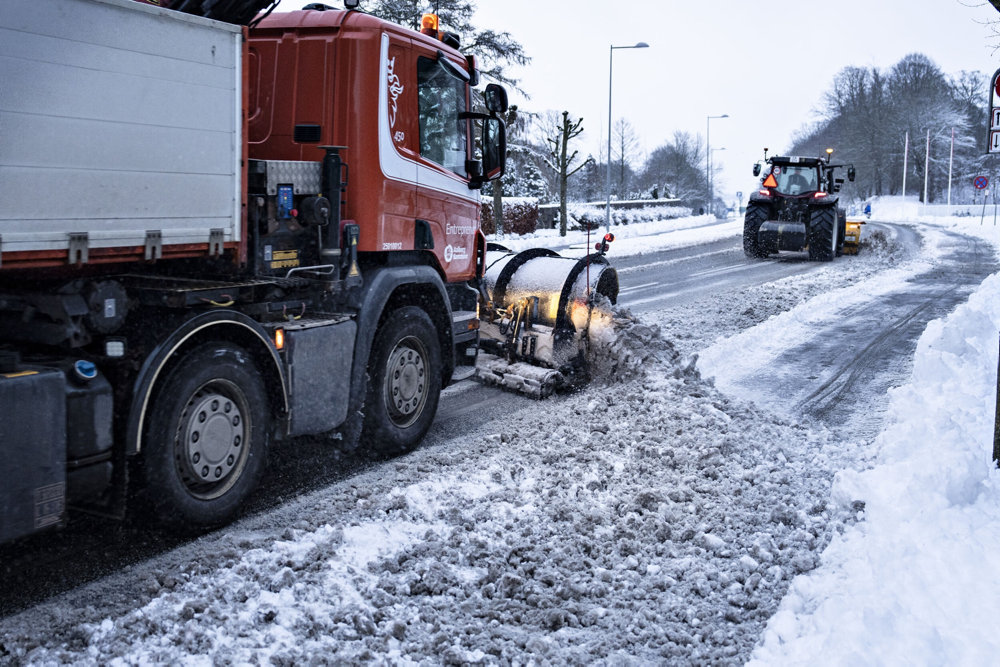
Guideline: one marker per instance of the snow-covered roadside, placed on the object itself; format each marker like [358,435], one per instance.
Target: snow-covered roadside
[915,581]
[633,239]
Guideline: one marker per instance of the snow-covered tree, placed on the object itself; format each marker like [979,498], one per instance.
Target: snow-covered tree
[496,50]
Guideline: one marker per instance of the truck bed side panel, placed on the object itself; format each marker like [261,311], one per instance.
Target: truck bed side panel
[117,118]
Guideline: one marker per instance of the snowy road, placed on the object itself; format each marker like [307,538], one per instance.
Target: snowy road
[835,362]
[656,518]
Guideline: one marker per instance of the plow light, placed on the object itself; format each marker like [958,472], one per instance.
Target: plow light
[279,339]
[819,195]
[602,245]
[764,193]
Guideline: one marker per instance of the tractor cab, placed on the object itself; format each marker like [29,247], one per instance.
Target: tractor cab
[793,179]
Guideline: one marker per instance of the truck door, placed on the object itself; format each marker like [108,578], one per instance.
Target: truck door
[444,201]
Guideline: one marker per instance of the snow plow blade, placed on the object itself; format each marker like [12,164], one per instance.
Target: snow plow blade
[539,310]
[852,237]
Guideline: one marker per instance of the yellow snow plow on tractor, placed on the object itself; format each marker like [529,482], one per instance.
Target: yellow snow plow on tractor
[852,236]
[541,311]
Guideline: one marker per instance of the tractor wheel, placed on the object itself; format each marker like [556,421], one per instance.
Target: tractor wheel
[823,233]
[756,216]
[404,383]
[205,445]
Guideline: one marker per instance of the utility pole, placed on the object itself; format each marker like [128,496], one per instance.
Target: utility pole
[906,152]
[927,162]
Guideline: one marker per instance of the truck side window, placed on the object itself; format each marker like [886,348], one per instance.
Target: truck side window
[441,98]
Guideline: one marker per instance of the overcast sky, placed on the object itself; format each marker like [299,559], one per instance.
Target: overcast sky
[765,63]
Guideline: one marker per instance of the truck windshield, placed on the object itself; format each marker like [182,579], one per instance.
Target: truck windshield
[794,179]
[443,137]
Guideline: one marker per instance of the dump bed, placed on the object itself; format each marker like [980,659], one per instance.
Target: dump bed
[121,133]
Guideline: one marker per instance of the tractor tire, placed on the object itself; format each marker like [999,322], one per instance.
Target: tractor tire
[756,216]
[205,446]
[404,383]
[823,233]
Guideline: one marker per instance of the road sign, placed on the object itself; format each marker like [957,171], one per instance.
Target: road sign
[980,182]
[993,136]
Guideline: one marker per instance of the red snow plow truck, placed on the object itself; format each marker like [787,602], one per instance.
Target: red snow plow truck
[219,229]
[214,237]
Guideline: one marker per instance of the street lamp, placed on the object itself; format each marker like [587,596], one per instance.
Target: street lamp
[708,158]
[611,62]
[711,182]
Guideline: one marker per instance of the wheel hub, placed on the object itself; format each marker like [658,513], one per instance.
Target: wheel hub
[406,384]
[214,436]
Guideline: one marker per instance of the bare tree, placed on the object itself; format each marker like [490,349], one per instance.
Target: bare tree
[624,150]
[869,111]
[560,160]
[674,168]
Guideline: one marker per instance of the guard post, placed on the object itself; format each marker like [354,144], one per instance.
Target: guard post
[996,421]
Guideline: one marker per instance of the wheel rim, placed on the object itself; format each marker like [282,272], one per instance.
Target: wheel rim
[406,381]
[212,439]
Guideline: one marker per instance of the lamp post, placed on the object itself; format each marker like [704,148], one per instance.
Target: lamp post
[708,158]
[711,182]
[611,62]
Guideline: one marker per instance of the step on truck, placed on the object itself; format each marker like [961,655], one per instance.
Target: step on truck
[796,208]
[214,237]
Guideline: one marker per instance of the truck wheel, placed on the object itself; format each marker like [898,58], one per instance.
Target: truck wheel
[822,233]
[755,217]
[404,383]
[206,443]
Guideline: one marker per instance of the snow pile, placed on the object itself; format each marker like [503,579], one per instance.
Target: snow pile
[623,348]
[653,520]
[915,582]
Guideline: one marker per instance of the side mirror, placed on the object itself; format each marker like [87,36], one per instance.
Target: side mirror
[850,173]
[756,169]
[494,147]
[496,99]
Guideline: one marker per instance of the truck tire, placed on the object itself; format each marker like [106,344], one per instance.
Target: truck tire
[823,233]
[206,443]
[756,216]
[404,383]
